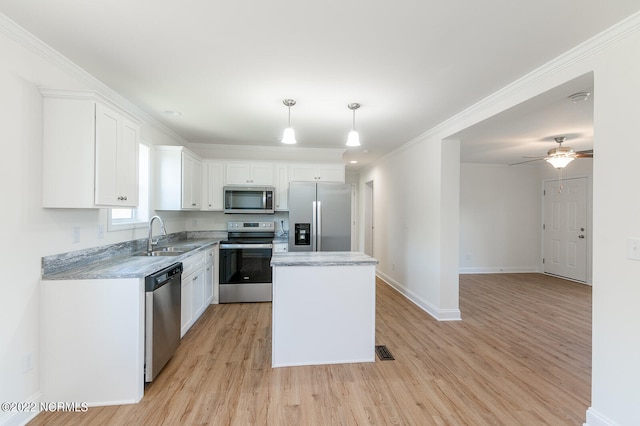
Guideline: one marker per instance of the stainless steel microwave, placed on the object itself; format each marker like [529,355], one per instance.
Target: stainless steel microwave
[249,199]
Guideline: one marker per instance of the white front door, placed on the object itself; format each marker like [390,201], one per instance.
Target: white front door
[565,225]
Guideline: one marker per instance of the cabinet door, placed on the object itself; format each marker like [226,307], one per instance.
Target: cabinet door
[282,187]
[196,184]
[116,174]
[128,154]
[330,173]
[191,181]
[213,184]
[208,283]
[262,174]
[238,173]
[302,173]
[198,294]
[186,301]
[108,135]
[241,173]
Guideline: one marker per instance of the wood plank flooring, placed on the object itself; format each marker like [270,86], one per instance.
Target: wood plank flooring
[520,356]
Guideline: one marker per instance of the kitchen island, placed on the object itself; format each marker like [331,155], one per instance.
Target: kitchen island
[323,308]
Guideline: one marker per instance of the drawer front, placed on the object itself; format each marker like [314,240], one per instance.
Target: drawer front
[192,263]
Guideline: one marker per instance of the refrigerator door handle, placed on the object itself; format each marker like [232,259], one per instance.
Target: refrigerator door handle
[314,219]
[319,233]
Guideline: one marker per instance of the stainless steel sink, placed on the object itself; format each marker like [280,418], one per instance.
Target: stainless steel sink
[162,253]
[165,251]
[168,251]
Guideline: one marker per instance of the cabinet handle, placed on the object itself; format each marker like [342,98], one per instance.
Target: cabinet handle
[193,204]
[194,278]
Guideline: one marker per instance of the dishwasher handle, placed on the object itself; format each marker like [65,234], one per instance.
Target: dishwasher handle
[158,279]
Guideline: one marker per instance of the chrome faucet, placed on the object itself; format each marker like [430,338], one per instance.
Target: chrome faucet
[163,232]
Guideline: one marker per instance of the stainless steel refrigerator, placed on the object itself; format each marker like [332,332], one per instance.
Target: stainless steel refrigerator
[319,216]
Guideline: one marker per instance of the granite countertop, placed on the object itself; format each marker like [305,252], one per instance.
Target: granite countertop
[322,258]
[118,260]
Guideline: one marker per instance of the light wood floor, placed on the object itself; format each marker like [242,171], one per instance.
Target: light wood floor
[520,356]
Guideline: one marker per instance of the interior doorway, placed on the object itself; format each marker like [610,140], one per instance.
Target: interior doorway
[368,218]
[565,238]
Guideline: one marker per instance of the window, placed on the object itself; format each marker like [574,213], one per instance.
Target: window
[129,218]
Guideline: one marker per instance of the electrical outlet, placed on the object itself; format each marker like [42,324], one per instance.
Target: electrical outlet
[100,231]
[393,266]
[76,234]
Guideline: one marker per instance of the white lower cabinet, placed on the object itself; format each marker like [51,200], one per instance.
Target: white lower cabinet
[210,293]
[92,340]
[186,314]
[192,297]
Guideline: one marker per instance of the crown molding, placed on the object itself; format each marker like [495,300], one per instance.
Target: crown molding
[32,43]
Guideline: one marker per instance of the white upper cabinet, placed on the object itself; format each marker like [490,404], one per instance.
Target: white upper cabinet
[212,185]
[191,181]
[249,173]
[282,187]
[90,152]
[313,172]
[178,179]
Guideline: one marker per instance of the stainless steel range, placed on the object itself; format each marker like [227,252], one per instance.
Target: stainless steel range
[245,257]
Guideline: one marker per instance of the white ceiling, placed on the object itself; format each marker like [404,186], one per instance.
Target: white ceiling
[227,66]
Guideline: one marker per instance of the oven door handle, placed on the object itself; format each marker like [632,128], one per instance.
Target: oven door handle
[246,246]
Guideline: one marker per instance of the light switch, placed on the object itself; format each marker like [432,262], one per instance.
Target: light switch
[633,248]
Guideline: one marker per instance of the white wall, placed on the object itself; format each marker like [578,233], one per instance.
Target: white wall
[500,218]
[410,198]
[501,215]
[28,231]
[415,225]
[616,216]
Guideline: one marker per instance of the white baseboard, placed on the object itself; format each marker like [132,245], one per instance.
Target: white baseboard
[595,418]
[498,270]
[21,418]
[439,314]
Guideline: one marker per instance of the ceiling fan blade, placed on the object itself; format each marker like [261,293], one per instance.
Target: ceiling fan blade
[528,161]
[588,153]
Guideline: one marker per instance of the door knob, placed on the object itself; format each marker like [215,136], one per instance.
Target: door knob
[580,236]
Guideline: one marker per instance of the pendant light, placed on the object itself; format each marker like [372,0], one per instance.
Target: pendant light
[354,138]
[289,136]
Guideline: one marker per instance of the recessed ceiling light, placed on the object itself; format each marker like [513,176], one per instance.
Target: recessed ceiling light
[173,113]
[353,162]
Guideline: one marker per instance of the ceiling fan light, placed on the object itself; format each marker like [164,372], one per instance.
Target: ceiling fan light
[560,162]
[353,139]
[289,136]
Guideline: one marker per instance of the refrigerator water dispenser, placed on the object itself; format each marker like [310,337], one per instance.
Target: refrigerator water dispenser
[302,234]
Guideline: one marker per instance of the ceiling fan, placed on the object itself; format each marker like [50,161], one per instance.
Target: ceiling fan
[561,156]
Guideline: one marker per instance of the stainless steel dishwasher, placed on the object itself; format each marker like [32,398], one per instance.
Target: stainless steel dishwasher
[162,318]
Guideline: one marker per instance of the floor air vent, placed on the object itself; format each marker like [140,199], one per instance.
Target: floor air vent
[383,353]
